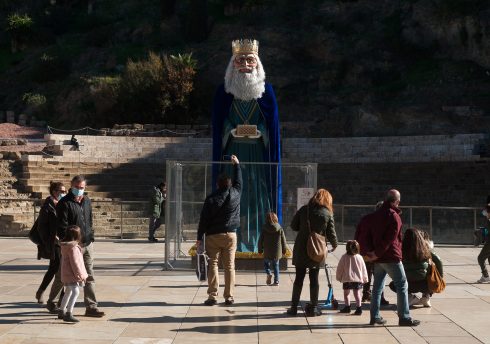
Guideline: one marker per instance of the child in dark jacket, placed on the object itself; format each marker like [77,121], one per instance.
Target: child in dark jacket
[272,242]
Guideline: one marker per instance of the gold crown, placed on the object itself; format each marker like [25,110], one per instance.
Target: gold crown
[245,46]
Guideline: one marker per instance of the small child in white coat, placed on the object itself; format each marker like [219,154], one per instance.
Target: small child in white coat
[351,271]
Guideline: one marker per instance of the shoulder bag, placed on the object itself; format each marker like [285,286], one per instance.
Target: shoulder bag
[435,282]
[316,245]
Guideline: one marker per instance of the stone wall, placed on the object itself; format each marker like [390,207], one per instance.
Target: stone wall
[399,149]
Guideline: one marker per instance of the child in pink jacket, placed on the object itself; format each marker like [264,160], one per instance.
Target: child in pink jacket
[73,272]
[351,271]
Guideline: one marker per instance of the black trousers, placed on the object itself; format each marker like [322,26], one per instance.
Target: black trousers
[54,265]
[300,276]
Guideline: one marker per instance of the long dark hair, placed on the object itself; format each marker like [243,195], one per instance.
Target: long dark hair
[414,247]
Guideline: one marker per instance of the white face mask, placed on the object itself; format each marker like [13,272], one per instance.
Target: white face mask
[484,213]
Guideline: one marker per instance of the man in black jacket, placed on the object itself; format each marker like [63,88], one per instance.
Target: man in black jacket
[76,209]
[220,219]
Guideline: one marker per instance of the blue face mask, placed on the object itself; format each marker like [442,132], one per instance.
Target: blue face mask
[61,195]
[77,192]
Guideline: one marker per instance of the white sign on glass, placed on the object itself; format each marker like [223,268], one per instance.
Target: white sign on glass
[304,195]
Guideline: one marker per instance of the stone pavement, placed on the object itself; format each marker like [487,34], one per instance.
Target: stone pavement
[147,305]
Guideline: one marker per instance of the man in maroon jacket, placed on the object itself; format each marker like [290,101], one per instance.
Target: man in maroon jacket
[385,227]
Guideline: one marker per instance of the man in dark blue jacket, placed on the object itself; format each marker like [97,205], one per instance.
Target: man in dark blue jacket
[76,209]
[220,219]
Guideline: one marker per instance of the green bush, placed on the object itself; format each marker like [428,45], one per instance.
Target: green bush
[20,29]
[19,24]
[49,68]
[155,89]
[34,99]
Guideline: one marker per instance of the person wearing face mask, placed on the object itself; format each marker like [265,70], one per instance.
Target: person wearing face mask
[50,247]
[75,209]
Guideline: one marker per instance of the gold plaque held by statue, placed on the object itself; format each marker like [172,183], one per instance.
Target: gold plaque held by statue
[246,131]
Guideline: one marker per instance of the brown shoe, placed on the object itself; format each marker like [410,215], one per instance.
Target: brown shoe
[94,313]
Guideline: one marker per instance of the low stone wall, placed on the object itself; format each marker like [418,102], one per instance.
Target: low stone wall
[399,149]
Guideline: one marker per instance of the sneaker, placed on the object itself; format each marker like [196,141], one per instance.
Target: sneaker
[377,321]
[153,239]
[268,280]
[358,311]
[39,296]
[425,301]
[229,302]
[68,317]
[94,313]
[408,322]
[346,309]
[292,311]
[210,302]
[52,308]
[61,314]
[413,300]
[276,283]
[483,279]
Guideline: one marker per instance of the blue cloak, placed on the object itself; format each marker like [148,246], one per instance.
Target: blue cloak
[268,106]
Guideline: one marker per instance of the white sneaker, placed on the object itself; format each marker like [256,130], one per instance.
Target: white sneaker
[413,300]
[483,279]
[425,301]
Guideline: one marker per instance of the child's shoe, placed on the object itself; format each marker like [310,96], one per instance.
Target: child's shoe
[483,279]
[346,309]
[68,317]
[268,280]
[358,311]
[61,314]
[413,300]
[425,301]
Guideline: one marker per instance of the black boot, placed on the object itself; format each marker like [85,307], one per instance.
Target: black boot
[312,309]
[295,300]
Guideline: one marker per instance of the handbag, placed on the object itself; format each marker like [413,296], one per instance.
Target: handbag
[34,234]
[435,282]
[316,246]
[202,262]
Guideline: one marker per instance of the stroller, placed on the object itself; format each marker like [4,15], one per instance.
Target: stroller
[330,302]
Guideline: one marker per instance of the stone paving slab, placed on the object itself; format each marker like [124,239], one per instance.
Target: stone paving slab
[147,305]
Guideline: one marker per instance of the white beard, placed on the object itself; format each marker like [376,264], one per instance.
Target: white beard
[245,86]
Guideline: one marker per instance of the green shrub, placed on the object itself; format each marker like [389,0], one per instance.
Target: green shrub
[34,99]
[20,29]
[154,89]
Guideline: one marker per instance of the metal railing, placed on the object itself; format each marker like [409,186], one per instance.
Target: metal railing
[446,225]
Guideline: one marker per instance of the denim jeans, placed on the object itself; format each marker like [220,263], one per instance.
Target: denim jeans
[275,267]
[397,274]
